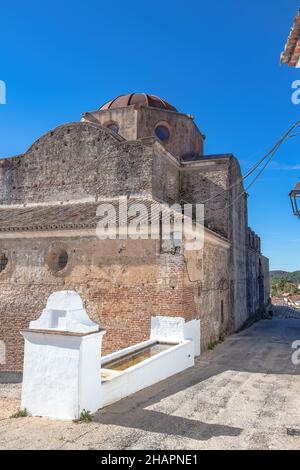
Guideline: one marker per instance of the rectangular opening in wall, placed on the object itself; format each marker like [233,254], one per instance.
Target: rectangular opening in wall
[222,312]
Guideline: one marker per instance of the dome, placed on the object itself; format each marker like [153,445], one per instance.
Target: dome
[137,99]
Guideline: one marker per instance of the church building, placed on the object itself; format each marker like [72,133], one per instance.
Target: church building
[138,147]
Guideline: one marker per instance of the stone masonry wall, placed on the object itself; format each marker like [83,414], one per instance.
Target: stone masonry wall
[266,275]
[217,183]
[208,272]
[125,118]
[140,123]
[238,226]
[253,272]
[122,282]
[185,138]
[206,182]
[76,161]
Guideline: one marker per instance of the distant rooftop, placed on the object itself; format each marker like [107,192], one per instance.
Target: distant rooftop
[291,53]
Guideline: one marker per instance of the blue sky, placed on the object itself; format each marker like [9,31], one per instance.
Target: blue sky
[216,60]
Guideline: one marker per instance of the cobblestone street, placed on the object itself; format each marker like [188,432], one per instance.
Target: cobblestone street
[242,395]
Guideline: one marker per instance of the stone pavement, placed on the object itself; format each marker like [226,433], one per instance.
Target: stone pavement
[242,395]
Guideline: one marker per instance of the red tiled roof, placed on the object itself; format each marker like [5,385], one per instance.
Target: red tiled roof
[137,99]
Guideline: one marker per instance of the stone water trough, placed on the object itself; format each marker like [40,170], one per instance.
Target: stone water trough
[64,373]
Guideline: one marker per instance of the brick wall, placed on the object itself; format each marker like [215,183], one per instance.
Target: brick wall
[122,282]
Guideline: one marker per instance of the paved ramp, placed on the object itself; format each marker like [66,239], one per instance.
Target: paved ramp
[242,395]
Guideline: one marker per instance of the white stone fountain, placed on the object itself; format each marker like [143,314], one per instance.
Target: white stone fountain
[62,360]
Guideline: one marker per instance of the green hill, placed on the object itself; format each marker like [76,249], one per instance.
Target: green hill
[284,281]
[293,277]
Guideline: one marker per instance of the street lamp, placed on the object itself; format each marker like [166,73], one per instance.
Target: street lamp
[294,195]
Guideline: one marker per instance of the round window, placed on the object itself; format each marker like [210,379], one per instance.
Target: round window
[3,262]
[113,126]
[58,259]
[62,260]
[162,132]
